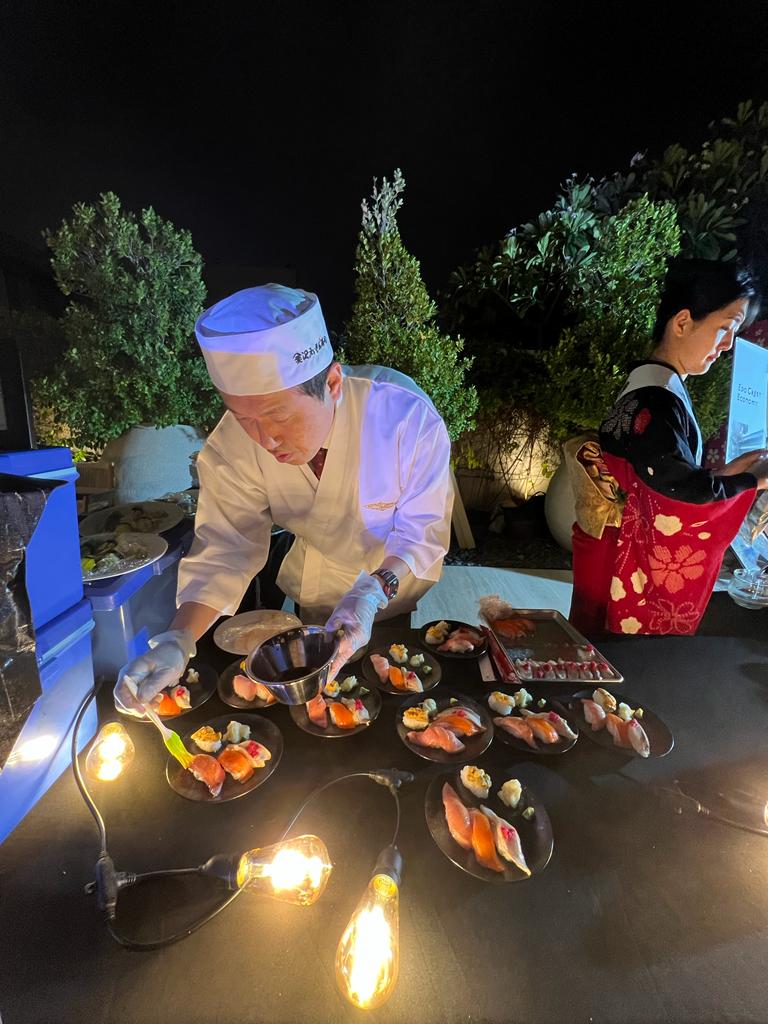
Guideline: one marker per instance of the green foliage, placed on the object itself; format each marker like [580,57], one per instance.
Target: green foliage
[614,296]
[136,288]
[393,318]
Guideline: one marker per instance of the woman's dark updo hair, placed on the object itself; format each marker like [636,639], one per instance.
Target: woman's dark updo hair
[703,287]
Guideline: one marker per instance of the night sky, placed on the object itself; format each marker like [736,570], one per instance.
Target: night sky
[259,127]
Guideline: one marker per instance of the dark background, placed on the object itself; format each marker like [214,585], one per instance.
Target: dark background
[261,126]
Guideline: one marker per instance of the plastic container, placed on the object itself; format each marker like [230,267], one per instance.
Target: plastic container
[52,561]
[749,588]
[130,609]
[42,750]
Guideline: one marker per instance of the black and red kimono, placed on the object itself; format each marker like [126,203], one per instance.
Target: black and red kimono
[654,573]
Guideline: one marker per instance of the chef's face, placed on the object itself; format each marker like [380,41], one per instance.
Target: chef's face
[699,343]
[290,425]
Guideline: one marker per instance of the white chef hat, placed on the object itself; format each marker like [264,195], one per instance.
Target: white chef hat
[264,339]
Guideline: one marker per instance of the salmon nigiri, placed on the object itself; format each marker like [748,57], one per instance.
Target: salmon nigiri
[460,725]
[482,842]
[341,716]
[381,667]
[236,763]
[628,734]
[459,711]
[457,817]
[206,769]
[507,841]
[249,689]
[518,727]
[317,710]
[594,714]
[437,737]
[542,729]
[617,727]
[559,724]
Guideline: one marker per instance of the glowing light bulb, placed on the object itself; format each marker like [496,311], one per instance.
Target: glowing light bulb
[294,871]
[368,956]
[111,753]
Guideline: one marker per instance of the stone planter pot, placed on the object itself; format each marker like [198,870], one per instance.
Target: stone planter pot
[151,461]
[560,508]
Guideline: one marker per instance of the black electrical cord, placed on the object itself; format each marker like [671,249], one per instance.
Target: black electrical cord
[112,882]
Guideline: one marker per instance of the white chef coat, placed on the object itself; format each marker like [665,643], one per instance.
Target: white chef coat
[385,490]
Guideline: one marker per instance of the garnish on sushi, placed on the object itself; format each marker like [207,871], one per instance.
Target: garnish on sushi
[207,739]
[477,781]
[180,695]
[438,633]
[507,840]
[399,654]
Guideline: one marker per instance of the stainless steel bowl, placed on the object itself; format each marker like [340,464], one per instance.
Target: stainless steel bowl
[294,664]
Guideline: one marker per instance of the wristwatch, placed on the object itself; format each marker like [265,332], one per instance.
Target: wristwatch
[390,583]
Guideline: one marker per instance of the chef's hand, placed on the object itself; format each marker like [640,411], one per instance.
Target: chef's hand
[161,666]
[354,614]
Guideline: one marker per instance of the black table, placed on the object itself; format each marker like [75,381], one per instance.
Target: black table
[642,914]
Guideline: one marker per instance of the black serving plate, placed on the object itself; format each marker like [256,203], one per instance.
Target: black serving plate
[542,748]
[659,735]
[474,746]
[186,785]
[428,681]
[199,693]
[535,834]
[226,690]
[472,655]
[372,701]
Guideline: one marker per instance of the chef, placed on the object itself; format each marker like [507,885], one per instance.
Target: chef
[353,461]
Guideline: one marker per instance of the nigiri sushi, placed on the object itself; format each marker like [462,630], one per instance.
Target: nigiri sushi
[236,764]
[542,729]
[606,700]
[257,753]
[399,654]
[517,727]
[455,645]
[247,689]
[415,718]
[396,677]
[438,738]
[457,817]
[460,724]
[476,780]
[358,709]
[510,793]
[412,682]
[594,714]
[467,634]
[341,716]
[459,709]
[206,769]
[167,707]
[638,738]
[180,695]
[332,688]
[207,739]
[438,633]
[317,711]
[236,732]
[483,843]
[617,729]
[381,667]
[507,841]
[561,727]
[500,702]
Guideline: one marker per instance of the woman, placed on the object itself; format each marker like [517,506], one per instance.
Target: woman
[652,524]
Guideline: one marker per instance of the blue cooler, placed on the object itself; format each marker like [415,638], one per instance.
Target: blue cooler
[54,575]
[130,609]
[42,749]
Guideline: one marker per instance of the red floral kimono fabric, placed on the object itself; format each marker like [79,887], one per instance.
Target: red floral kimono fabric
[655,573]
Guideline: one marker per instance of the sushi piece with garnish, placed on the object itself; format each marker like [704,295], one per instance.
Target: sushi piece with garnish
[507,841]
[458,709]
[438,633]
[436,737]
[519,728]
[455,645]
[206,769]
[237,732]
[317,711]
[399,654]
[358,709]
[341,716]
[510,793]
[180,695]
[606,700]
[248,689]
[638,738]
[332,688]
[500,702]
[207,739]
[457,817]
[235,763]
[381,667]
[542,729]
[483,842]
[476,780]
[404,680]
[470,635]
[415,718]
[256,752]
[594,714]
[559,724]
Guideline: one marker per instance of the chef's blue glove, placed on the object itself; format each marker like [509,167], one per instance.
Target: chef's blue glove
[354,615]
[161,666]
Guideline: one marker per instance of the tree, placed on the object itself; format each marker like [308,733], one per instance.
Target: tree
[393,318]
[135,287]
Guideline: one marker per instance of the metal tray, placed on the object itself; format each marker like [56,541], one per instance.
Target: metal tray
[554,638]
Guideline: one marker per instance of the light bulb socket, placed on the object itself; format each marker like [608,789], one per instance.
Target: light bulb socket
[390,862]
[222,866]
